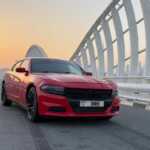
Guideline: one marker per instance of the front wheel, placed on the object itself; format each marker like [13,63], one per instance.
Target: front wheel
[5,101]
[32,110]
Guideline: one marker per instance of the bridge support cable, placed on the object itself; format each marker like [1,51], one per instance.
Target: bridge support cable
[110,54]
[120,41]
[78,60]
[146,11]
[92,57]
[84,58]
[100,52]
[133,35]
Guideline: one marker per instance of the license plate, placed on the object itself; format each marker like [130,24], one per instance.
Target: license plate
[91,103]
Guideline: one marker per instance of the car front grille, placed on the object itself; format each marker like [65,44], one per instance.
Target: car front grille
[88,94]
[76,95]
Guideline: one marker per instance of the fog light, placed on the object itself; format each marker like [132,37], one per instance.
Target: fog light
[115,109]
[56,109]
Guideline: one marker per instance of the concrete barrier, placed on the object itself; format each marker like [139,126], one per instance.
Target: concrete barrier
[134,91]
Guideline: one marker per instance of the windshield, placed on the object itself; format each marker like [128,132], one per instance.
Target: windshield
[54,66]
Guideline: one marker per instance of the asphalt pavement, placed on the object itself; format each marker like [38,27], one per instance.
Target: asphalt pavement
[128,131]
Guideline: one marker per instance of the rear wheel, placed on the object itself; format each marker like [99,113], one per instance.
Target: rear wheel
[5,101]
[32,110]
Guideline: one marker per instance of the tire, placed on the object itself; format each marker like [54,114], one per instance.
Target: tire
[5,101]
[32,109]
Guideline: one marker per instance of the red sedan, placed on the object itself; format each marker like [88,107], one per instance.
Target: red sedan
[52,87]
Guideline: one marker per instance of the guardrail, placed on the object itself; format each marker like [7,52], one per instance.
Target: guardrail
[135,90]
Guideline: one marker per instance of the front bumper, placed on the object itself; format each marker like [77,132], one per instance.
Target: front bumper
[60,106]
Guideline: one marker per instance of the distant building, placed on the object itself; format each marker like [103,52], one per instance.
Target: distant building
[33,51]
[36,51]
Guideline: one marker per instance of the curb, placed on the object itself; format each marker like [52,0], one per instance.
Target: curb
[136,104]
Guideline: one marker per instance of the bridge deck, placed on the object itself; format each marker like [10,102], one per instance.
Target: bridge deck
[129,131]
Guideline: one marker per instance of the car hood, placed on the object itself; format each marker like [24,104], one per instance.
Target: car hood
[75,80]
[71,78]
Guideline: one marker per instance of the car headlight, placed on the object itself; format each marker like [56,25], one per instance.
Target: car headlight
[114,93]
[52,89]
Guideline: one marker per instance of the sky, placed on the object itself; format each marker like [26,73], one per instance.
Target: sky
[56,25]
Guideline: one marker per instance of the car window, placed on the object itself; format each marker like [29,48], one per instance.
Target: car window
[25,64]
[18,64]
[54,66]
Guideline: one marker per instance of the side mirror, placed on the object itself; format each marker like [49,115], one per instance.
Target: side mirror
[88,73]
[21,70]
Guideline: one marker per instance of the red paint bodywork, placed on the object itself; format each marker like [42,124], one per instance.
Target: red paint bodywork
[17,84]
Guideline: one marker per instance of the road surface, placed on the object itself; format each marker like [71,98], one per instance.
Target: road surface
[129,131]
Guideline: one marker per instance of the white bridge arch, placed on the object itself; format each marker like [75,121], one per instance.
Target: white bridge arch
[117,46]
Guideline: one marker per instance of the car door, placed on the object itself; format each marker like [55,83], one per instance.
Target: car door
[23,82]
[12,80]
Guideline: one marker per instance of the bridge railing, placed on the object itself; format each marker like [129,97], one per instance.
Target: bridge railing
[117,46]
[118,42]
[134,88]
